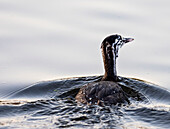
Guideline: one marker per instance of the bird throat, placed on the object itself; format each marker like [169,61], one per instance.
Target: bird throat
[109,59]
[114,63]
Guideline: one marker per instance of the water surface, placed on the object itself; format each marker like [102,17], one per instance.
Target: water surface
[52,104]
[47,40]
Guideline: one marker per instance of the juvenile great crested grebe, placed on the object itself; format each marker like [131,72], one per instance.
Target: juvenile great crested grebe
[107,91]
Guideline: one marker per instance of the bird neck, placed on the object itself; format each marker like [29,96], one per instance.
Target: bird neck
[109,59]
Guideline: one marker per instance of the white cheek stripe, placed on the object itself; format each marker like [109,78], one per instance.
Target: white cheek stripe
[119,43]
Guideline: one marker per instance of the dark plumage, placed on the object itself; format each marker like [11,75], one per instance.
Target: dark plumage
[107,91]
[101,93]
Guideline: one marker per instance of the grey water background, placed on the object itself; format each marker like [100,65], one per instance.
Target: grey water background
[49,40]
[45,40]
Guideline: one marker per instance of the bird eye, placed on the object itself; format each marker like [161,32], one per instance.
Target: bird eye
[119,37]
[118,40]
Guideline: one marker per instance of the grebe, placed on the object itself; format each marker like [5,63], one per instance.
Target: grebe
[107,91]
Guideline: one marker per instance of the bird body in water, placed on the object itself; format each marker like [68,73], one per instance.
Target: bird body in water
[107,91]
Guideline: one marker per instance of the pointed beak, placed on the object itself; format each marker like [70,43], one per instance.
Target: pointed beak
[126,40]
